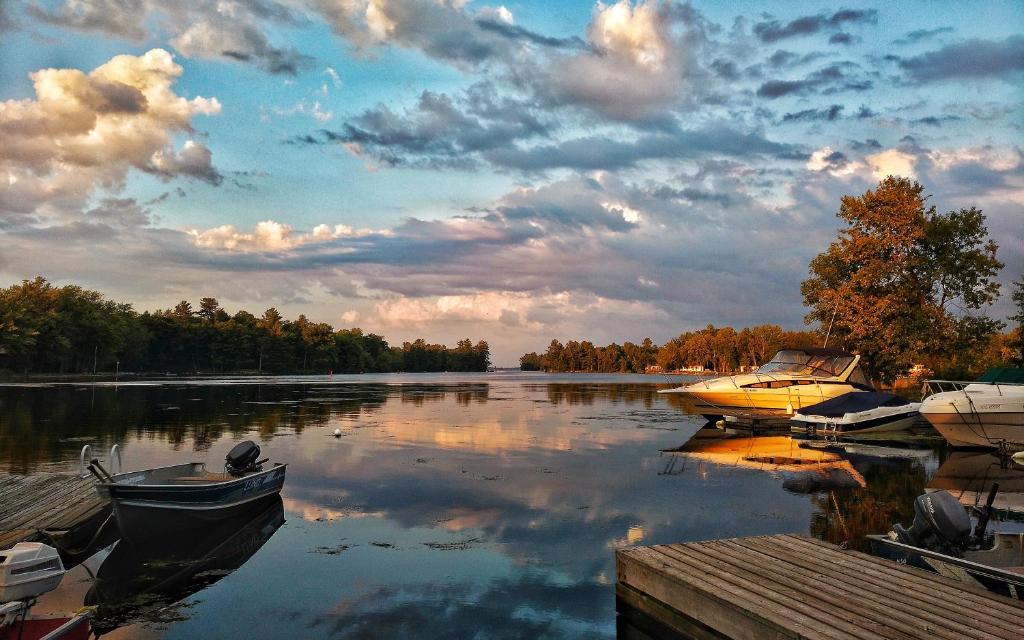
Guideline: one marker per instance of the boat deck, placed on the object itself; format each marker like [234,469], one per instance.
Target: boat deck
[46,501]
[791,586]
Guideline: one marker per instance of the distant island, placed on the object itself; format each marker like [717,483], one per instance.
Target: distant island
[46,329]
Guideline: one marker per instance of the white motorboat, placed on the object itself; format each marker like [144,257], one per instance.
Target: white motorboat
[792,380]
[977,414]
[857,412]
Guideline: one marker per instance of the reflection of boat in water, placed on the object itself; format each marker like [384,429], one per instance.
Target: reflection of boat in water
[969,475]
[941,539]
[857,412]
[804,470]
[977,414]
[794,378]
[181,495]
[139,581]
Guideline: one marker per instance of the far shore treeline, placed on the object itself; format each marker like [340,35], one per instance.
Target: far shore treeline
[46,329]
[902,285]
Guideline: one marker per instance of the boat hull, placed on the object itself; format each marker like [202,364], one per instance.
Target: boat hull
[971,569]
[986,430]
[773,402]
[888,424]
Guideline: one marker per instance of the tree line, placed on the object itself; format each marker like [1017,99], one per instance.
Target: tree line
[903,284]
[712,348]
[72,330]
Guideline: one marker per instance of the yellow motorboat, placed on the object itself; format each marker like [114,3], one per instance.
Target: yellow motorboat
[793,379]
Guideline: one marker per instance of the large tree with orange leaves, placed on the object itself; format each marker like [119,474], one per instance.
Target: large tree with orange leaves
[904,283]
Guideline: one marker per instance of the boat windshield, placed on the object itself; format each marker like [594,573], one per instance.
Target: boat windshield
[799,363]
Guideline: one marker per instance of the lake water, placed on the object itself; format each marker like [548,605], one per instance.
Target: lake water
[462,506]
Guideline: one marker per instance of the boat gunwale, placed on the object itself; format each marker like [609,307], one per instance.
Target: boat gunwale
[187,487]
[983,569]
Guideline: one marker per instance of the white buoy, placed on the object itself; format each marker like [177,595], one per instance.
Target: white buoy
[1019,458]
[337,433]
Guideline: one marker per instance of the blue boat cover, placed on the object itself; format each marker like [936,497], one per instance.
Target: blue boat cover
[854,402]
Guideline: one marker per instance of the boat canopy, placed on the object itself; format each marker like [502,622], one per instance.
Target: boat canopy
[854,402]
[1003,374]
[815,362]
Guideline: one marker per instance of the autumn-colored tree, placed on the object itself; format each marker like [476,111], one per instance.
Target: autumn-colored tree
[904,282]
[1015,343]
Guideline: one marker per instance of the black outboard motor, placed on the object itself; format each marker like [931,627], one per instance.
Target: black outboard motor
[940,524]
[243,458]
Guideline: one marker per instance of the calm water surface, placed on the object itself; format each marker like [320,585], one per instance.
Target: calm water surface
[463,506]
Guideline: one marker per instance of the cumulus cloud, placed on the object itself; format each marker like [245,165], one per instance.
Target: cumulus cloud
[988,156]
[441,29]
[892,162]
[651,48]
[269,236]
[86,131]
[835,162]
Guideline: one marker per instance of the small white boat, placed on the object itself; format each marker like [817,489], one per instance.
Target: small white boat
[29,569]
[977,414]
[857,412]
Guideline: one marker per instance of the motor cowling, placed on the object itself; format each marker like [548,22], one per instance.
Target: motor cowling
[940,524]
[242,458]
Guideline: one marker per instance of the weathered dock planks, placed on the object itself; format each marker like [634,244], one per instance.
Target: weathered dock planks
[47,501]
[791,586]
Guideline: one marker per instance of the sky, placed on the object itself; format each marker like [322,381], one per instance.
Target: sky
[510,172]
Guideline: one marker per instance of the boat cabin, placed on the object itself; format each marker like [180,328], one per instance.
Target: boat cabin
[816,363]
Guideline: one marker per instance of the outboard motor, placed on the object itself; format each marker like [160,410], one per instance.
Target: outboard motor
[940,524]
[243,458]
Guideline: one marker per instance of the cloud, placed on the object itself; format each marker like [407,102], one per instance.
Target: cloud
[992,158]
[830,114]
[918,35]
[971,59]
[228,29]
[835,162]
[86,131]
[844,76]
[892,162]
[269,236]
[773,30]
[119,211]
[599,152]
[232,35]
[438,131]
[651,48]
[505,28]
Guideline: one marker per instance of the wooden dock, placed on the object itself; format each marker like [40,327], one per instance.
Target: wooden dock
[791,586]
[47,501]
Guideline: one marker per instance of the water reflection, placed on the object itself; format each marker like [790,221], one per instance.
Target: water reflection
[484,506]
[139,582]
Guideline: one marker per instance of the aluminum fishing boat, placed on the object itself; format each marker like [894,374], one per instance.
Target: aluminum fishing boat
[792,380]
[977,414]
[179,495]
[857,412]
[941,540]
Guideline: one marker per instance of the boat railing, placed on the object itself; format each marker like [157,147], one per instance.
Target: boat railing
[932,387]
